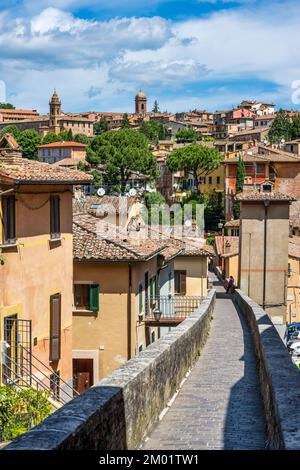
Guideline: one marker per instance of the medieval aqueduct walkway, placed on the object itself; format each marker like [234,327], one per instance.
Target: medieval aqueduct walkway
[219,405]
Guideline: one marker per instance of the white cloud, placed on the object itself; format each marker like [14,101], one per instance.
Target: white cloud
[100,63]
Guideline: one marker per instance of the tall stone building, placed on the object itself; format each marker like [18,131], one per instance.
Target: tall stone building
[140,103]
[264,236]
[54,113]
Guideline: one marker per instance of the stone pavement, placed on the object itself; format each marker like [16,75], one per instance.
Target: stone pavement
[219,405]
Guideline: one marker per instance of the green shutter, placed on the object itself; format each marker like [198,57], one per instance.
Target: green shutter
[94,297]
[140,298]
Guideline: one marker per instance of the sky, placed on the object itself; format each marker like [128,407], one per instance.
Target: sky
[205,54]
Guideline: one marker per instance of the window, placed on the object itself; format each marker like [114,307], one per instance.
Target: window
[210,180]
[55,327]
[202,180]
[55,217]
[86,297]
[170,282]
[152,290]
[140,298]
[180,282]
[9,219]
[218,179]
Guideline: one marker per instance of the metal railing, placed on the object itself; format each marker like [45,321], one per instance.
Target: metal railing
[171,307]
[26,370]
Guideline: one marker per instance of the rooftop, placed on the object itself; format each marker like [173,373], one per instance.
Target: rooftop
[225,245]
[254,195]
[22,170]
[62,144]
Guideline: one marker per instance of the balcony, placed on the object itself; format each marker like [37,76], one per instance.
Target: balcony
[170,310]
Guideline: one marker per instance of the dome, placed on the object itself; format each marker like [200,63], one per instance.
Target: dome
[55,97]
[140,94]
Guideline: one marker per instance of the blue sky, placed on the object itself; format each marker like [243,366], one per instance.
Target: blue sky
[186,54]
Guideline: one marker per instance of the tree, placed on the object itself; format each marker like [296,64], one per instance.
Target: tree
[155,107]
[195,158]
[295,127]
[240,177]
[92,157]
[186,135]
[82,139]
[122,152]
[29,141]
[125,122]
[101,126]
[6,106]
[153,130]
[51,137]
[280,128]
[11,129]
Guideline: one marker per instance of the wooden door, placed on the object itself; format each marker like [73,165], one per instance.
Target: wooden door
[83,373]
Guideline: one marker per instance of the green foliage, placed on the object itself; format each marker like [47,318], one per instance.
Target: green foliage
[195,158]
[155,107]
[82,139]
[29,141]
[50,138]
[125,122]
[153,130]
[7,106]
[97,178]
[11,129]
[101,126]
[92,157]
[280,128]
[122,152]
[153,198]
[208,138]
[186,135]
[213,206]
[20,410]
[240,177]
[295,127]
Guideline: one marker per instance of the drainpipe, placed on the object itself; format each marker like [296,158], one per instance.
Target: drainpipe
[129,311]
[266,204]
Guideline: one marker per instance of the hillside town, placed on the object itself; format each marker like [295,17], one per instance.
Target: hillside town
[93,275]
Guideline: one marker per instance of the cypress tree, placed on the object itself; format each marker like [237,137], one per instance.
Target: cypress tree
[240,177]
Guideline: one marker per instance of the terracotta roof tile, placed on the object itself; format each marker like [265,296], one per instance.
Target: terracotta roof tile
[254,195]
[22,170]
[226,245]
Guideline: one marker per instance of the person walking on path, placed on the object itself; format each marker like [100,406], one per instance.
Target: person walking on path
[230,284]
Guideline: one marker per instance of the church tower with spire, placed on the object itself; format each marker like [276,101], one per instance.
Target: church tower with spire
[54,113]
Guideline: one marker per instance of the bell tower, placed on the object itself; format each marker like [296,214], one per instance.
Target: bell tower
[54,113]
[140,103]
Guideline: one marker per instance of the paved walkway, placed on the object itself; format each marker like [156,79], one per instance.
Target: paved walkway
[219,405]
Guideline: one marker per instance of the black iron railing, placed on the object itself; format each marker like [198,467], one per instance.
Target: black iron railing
[173,307]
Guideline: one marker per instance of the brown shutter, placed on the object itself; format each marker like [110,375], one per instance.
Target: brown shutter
[55,327]
[182,282]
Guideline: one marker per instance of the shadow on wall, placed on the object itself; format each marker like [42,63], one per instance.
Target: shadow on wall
[85,420]
[245,426]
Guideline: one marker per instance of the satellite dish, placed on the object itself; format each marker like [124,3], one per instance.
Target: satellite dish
[188,223]
[132,192]
[101,192]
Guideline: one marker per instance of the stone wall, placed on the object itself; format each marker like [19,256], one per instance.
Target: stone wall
[118,412]
[279,378]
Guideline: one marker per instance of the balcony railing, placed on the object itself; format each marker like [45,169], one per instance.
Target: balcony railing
[171,309]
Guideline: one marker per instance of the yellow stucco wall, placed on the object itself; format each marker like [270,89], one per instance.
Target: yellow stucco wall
[196,273]
[107,331]
[36,269]
[293,291]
